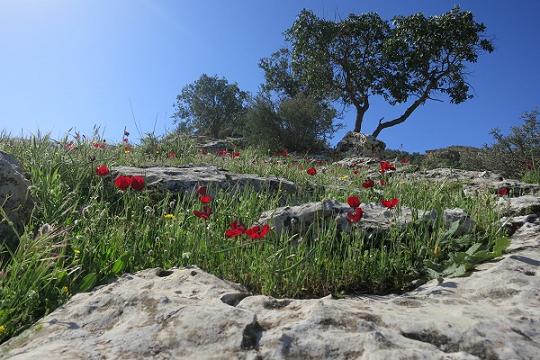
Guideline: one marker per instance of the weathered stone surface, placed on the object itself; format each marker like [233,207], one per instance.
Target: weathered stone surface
[355,161]
[358,144]
[523,205]
[14,198]
[213,145]
[478,181]
[186,313]
[186,178]
[376,218]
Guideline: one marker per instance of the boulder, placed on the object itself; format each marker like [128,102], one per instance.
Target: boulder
[214,145]
[522,205]
[475,182]
[15,200]
[186,178]
[357,144]
[186,313]
[376,218]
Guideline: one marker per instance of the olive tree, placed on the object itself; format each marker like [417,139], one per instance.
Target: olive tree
[210,106]
[408,60]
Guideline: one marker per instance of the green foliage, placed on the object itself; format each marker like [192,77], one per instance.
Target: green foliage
[300,123]
[210,106]
[98,232]
[412,57]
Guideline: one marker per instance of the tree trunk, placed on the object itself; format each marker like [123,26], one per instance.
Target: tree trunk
[359,119]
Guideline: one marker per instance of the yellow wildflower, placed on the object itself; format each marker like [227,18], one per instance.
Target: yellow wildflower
[65,290]
[2,329]
[437,250]
[169,216]
[76,251]
[344,178]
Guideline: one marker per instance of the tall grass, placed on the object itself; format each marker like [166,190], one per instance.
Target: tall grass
[85,232]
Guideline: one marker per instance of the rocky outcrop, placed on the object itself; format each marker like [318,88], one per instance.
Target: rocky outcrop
[14,199]
[475,182]
[186,313]
[209,145]
[186,178]
[521,205]
[356,144]
[376,218]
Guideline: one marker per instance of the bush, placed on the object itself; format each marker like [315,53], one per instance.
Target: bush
[300,124]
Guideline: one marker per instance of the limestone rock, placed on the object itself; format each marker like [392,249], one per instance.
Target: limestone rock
[186,178]
[358,144]
[376,218]
[186,313]
[478,181]
[15,199]
[355,161]
[213,145]
[523,205]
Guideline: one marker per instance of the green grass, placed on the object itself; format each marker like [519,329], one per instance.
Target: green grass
[99,233]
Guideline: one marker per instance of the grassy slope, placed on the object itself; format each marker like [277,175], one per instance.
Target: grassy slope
[99,232]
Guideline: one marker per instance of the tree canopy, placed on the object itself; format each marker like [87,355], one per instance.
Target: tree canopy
[408,60]
[211,106]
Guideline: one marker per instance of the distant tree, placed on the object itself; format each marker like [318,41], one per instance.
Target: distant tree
[413,57]
[300,123]
[210,106]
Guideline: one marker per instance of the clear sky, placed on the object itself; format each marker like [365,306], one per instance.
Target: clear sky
[73,63]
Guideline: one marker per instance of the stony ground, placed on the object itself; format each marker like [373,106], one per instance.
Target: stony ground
[186,313]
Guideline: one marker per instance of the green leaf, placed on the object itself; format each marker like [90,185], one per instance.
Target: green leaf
[500,245]
[88,282]
[452,230]
[455,270]
[120,264]
[473,249]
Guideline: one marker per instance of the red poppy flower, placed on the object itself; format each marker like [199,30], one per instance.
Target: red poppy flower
[222,152]
[355,172]
[102,170]
[355,215]
[311,171]
[284,153]
[257,232]
[404,161]
[390,203]
[235,229]
[353,201]
[122,182]
[171,155]
[503,191]
[201,190]
[204,214]
[382,182]
[235,154]
[69,146]
[137,183]
[205,199]
[99,145]
[385,166]
[368,184]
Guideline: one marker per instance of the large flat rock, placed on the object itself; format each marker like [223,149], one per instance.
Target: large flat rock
[186,178]
[186,313]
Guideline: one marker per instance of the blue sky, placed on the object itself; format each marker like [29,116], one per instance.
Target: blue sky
[73,63]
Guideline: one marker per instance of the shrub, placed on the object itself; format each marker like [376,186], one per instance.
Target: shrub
[300,123]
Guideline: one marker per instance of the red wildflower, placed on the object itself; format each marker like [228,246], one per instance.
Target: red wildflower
[257,232]
[382,182]
[69,146]
[222,152]
[311,171]
[122,182]
[99,145]
[503,191]
[126,140]
[355,215]
[368,184]
[102,170]
[355,172]
[353,201]
[235,229]
[235,154]
[404,160]
[390,203]
[385,166]
[284,153]
[205,199]
[171,155]
[137,183]
[201,190]
[204,214]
